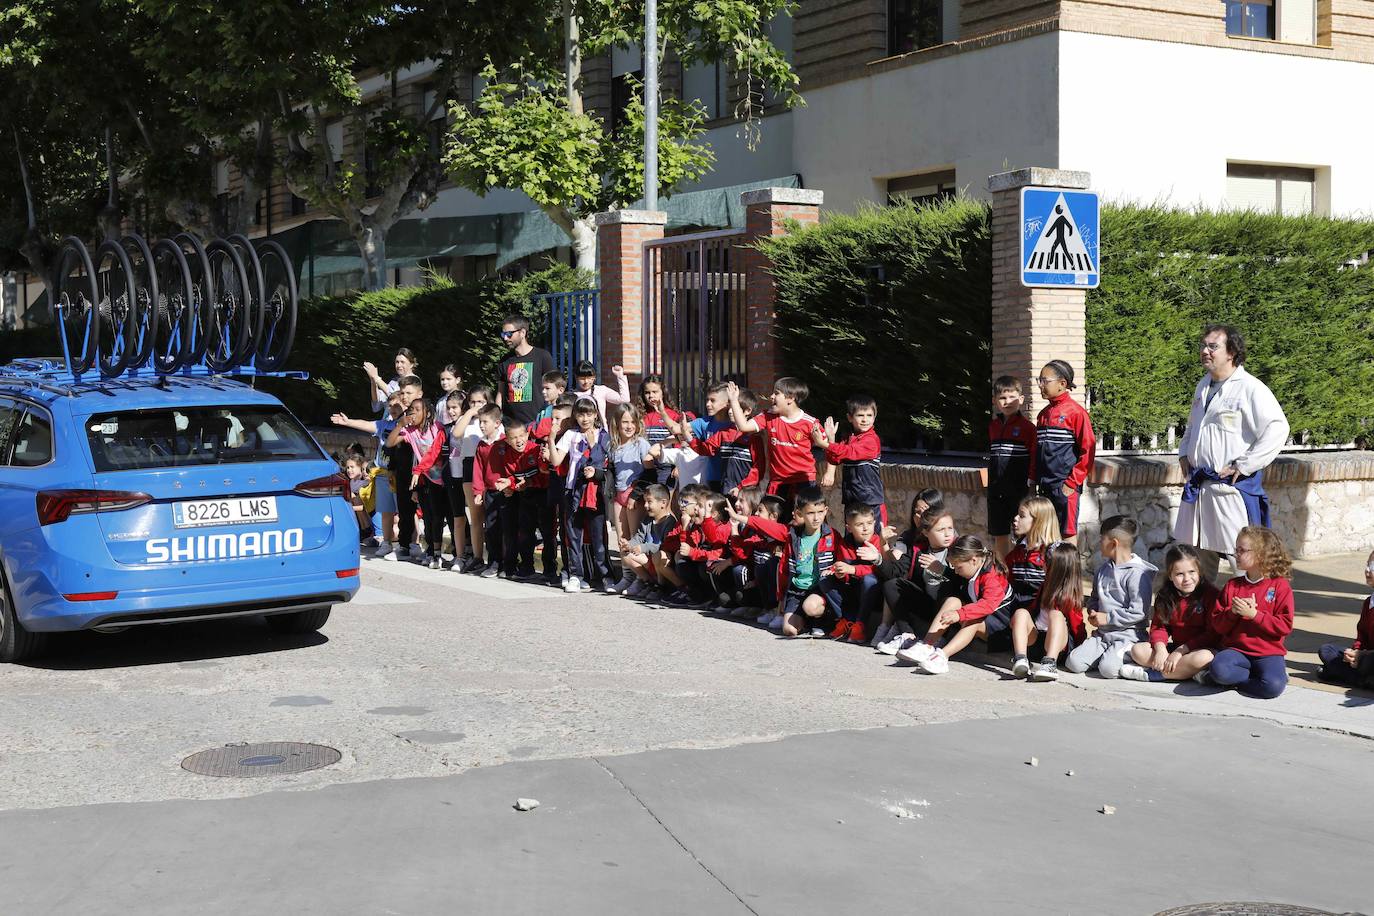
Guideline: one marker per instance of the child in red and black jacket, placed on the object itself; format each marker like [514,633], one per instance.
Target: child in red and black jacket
[1353,666]
[486,499]
[807,558]
[735,451]
[984,610]
[522,480]
[1064,446]
[653,398]
[1011,445]
[547,430]
[853,580]
[1181,636]
[758,546]
[861,456]
[704,544]
[1253,618]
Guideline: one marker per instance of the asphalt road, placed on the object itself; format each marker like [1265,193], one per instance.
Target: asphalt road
[683,764]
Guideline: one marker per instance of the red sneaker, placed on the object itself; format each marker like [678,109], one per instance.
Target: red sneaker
[841,629]
[856,632]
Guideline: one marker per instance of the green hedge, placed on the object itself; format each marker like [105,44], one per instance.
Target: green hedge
[894,302]
[1308,318]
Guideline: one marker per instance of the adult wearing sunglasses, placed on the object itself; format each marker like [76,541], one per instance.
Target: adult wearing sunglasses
[1235,430]
[520,391]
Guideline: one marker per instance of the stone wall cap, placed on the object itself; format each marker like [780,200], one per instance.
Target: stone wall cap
[1038,177]
[631,217]
[808,196]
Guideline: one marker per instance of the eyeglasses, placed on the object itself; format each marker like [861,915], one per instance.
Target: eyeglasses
[507,335]
[1042,381]
[1212,347]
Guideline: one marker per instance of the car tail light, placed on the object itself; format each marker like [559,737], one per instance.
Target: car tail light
[58,505]
[91,596]
[345,573]
[333,485]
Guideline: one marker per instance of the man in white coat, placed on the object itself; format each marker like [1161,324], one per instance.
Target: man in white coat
[1235,430]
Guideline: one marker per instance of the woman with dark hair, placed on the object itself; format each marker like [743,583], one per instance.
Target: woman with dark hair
[378,390]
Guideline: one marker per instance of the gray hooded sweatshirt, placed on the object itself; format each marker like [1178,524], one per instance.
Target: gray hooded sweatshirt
[1124,591]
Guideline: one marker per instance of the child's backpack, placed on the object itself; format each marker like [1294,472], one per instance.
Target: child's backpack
[369,490]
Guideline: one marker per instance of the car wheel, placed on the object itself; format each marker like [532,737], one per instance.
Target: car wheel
[300,621]
[16,643]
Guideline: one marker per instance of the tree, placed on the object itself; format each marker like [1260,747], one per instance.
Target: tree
[531,131]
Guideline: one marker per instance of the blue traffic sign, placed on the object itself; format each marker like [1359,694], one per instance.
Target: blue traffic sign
[1059,238]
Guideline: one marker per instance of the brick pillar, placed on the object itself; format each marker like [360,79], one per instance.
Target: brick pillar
[620,238]
[765,212]
[1030,327]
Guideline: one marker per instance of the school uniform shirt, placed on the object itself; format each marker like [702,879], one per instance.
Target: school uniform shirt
[1190,623]
[1240,423]
[1027,573]
[789,448]
[1073,616]
[709,540]
[657,432]
[526,469]
[761,537]
[484,473]
[522,380]
[861,481]
[1012,444]
[472,437]
[988,592]
[735,451]
[427,446]
[705,428]
[1268,631]
[1064,444]
[1364,630]
[847,551]
[806,559]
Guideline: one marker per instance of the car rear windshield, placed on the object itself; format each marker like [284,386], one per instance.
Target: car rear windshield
[183,436]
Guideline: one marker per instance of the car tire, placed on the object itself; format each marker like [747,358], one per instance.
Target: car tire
[299,621]
[16,643]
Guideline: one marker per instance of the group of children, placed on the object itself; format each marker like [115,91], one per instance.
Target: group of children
[723,512]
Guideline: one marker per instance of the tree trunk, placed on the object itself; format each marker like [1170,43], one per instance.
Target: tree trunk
[572,57]
[109,215]
[584,243]
[371,240]
[36,247]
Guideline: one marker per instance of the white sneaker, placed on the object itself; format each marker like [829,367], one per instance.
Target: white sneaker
[1021,667]
[396,555]
[915,651]
[572,585]
[775,623]
[817,633]
[1045,671]
[1135,673]
[893,644]
[937,663]
[882,636]
[436,563]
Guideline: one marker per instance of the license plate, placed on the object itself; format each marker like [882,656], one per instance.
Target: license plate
[233,510]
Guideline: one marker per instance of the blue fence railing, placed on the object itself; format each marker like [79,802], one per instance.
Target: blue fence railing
[574,328]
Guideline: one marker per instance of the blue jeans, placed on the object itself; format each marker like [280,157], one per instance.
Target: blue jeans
[1260,676]
[858,598]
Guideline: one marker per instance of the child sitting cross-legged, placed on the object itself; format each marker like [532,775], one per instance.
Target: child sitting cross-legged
[703,545]
[643,553]
[983,610]
[733,572]
[1353,666]
[852,585]
[1035,527]
[806,560]
[1253,618]
[1181,638]
[1119,604]
[760,541]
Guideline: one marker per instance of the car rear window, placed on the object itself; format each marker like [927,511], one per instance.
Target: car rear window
[183,436]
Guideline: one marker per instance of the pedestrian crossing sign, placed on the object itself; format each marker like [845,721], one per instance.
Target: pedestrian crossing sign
[1059,238]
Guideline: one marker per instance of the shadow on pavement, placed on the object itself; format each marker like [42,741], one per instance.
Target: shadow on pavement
[160,645]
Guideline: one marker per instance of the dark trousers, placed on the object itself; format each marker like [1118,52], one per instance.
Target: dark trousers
[585,533]
[859,598]
[1261,676]
[910,602]
[735,584]
[456,508]
[403,460]
[492,505]
[551,524]
[766,583]
[1336,671]
[432,501]
[697,579]
[519,518]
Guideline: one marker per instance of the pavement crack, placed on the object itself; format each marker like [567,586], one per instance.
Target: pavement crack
[668,830]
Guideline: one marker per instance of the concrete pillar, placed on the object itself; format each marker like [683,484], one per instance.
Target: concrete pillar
[620,238]
[1030,327]
[766,213]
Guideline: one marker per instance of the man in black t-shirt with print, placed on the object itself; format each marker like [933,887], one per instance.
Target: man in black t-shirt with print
[520,376]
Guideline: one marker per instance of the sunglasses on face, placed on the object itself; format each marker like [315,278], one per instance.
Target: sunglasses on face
[507,335]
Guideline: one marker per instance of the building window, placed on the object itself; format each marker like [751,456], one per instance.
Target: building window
[622,90]
[920,189]
[438,124]
[1250,18]
[913,25]
[1271,189]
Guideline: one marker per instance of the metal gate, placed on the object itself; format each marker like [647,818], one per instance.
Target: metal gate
[695,315]
[574,328]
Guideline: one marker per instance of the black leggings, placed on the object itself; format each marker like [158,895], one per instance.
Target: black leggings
[456,508]
[432,503]
[909,603]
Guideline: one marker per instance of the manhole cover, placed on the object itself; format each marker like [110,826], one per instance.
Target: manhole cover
[272,758]
[1243,909]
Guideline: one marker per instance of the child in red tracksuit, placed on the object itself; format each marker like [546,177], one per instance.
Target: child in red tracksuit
[758,546]
[853,580]
[522,485]
[789,433]
[1181,636]
[860,454]
[704,544]
[1064,446]
[986,612]
[485,497]
[733,572]
[1353,666]
[736,451]
[1253,618]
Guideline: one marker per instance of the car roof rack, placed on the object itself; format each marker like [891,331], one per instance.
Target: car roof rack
[51,377]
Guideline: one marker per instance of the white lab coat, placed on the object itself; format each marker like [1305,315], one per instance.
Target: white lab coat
[1244,426]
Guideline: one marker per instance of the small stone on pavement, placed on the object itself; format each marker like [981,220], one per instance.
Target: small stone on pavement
[526,804]
[1107,809]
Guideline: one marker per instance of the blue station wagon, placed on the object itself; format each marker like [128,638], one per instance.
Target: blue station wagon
[129,502]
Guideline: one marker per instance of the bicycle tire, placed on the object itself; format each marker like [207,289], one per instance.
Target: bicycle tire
[202,296]
[70,292]
[175,313]
[145,301]
[113,355]
[228,340]
[258,311]
[280,305]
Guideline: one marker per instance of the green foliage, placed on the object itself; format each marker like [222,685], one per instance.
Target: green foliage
[1283,281]
[893,302]
[445,322]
